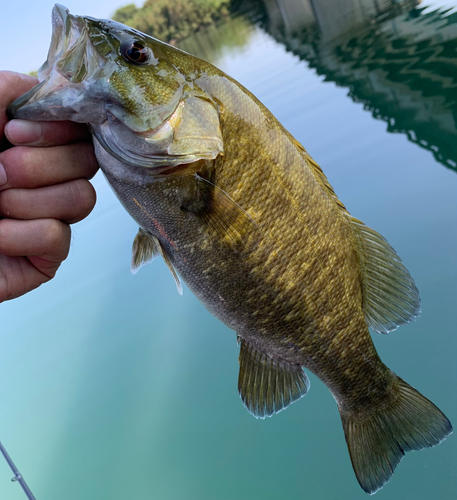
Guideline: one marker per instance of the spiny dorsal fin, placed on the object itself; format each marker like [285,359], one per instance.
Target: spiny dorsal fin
[319,175]
[390,296]
[268,385]
[225,216]
[145,249]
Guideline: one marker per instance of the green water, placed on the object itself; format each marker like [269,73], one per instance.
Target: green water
[115,387]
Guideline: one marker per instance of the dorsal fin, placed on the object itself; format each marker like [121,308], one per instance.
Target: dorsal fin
[390,296]
[145,249]
[267,385]
[319,175]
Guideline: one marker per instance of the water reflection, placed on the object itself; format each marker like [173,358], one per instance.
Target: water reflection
[215,42]
[396,58]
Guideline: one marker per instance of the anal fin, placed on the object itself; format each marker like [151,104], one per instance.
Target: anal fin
[266,384]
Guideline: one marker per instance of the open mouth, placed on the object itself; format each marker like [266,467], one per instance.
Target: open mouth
[76,83]
[68,50]
[64,76]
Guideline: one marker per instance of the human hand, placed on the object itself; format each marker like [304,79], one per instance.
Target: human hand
[44,187]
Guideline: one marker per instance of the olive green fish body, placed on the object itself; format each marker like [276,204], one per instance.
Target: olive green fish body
[289,286]
[238,209]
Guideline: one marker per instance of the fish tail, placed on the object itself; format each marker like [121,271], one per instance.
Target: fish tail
[377,441]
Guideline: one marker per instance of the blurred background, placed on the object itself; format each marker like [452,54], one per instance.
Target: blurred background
[113,386]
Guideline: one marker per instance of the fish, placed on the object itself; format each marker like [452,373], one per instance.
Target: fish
[240,212]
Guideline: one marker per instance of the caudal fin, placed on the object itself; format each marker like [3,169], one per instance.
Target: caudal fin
[378,441]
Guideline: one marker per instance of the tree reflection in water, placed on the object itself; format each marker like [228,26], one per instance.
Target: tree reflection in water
[398,59]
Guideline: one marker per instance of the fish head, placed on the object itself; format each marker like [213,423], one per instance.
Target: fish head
[143,108]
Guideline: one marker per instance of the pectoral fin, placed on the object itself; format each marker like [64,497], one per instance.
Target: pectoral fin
[268,385]
[211,204]
[224,215]
[145,249]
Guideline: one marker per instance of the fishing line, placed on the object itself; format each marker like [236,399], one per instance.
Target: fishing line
[17,475]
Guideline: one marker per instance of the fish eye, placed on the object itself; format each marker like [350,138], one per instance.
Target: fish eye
[134,52]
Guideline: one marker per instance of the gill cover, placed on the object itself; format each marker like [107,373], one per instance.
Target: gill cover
[126,86]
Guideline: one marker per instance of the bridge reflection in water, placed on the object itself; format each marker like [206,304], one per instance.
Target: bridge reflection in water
[397,58]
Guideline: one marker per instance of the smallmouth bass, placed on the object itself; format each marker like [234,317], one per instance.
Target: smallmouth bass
[239,210]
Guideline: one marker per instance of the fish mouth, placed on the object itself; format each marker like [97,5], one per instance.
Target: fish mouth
[76,83]
[65,77]
[67,35]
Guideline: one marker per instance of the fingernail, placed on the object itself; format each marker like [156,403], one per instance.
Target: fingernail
[23,131]
[3,179]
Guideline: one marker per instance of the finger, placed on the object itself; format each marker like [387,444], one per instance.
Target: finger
[30,167]
[69,201]
[12,85]
[48,239]
[19,275]
[26,132]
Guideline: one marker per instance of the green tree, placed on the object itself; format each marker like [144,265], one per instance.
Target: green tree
[124,14]
[173,20]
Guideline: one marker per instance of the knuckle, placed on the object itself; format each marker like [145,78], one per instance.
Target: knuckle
[57,235]
[55,133]
[4,233]
[11,203]
[16,157]
[7,235]
[82,196]
[88,159]
[22,163]
[5,80]
[4,195]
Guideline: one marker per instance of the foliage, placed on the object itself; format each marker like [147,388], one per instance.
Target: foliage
[210,44]
[173,20]
[124,14]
